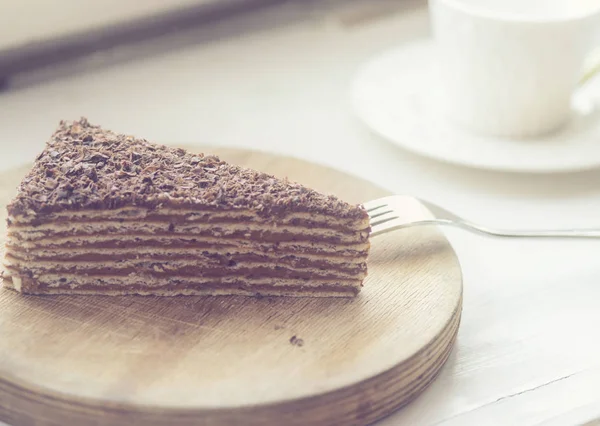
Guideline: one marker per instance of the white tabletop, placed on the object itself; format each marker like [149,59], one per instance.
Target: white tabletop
[528,349]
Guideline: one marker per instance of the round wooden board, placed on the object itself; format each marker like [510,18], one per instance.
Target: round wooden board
[234,360]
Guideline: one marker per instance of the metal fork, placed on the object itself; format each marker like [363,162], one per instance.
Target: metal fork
[396,212]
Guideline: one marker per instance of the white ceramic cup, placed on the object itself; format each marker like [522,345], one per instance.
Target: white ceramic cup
[510,67]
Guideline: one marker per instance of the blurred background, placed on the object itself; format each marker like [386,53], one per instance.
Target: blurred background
[182,71]
[36,34]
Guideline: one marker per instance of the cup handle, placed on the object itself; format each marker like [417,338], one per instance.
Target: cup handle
[591,67]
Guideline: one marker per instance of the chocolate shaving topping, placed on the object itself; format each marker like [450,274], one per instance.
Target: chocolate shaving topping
[86,167]
[294,340]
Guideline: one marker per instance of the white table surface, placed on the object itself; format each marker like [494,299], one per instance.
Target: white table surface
[528,350]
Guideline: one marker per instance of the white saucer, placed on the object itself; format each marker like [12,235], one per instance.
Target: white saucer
[394,94]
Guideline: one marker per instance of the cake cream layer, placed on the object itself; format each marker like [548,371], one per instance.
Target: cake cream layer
[262,232]
[136,249]
[181,268]
[169,240]
[149,280]
[198,257]
[29,286]
[228,263]
[187,216]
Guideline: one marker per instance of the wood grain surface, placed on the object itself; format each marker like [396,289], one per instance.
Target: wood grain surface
[234,360]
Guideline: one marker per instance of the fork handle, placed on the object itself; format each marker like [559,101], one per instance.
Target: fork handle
[554,233]
[503,233]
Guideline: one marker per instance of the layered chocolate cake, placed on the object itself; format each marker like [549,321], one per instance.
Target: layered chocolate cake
[104,213]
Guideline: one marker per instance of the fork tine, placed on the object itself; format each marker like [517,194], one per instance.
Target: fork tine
[371,210]
[378,212]
[389,225]
[374,205]
[383,219]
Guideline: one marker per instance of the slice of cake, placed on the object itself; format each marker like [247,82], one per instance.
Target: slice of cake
[103,213]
